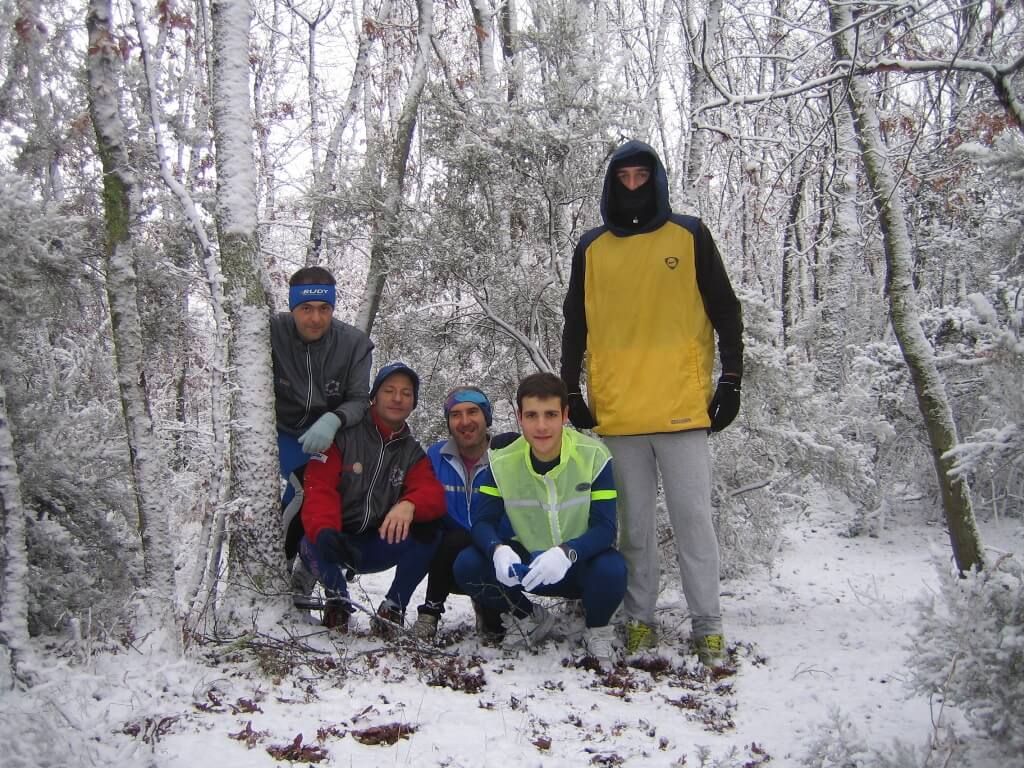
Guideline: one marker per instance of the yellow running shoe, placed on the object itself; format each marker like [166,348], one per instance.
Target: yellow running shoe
[710,650]
[640,637]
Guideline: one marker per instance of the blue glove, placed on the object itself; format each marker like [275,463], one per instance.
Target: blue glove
[319,437]
[335,548]
[505,559]
[549,567]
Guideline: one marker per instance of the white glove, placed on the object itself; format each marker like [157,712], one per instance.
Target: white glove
[549,567]
[318,438]
[504,558]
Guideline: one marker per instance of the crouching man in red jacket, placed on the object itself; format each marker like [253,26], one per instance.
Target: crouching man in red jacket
[372,502]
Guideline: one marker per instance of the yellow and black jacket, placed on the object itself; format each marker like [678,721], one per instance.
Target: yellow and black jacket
[645,303]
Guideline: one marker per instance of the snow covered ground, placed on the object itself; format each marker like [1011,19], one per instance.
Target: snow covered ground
[824,633]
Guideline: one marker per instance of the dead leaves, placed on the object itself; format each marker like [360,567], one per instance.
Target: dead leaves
[455,673]
[297,751]
[215,703]
[248,735]
[150,730]
[384,734]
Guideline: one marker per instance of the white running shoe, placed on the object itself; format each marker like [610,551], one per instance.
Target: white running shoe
[600,645]
[529,631]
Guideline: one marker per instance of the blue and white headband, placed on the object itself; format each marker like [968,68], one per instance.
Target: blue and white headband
[300,294]
[468,395]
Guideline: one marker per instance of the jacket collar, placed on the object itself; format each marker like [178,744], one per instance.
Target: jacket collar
[386,433]
[451,450]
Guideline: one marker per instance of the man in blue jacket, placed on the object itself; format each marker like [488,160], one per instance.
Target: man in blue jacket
[546,525]
[459,464]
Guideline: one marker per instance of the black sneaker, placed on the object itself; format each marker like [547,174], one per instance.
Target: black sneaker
[489,626]
[389,619]
[336,615]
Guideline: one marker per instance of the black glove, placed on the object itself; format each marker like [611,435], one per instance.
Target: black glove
[335,548]
[726,402]
[579,412]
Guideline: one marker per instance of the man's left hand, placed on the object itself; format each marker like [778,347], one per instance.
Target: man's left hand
[395,527]
[726,402]
[549,567]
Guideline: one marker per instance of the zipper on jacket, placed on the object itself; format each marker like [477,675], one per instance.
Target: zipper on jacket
[552,509]
[467,483]
[367,509]
[309,388]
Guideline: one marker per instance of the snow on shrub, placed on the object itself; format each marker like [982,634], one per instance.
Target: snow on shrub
[969,649]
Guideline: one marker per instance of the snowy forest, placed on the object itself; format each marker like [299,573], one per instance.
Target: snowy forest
[166,166]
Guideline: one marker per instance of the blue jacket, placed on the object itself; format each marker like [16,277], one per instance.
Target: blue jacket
[448,467]
[450,470]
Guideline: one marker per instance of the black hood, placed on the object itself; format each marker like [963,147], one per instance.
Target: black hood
[612,217]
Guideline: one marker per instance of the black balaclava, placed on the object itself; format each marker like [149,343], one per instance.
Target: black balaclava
[632,209]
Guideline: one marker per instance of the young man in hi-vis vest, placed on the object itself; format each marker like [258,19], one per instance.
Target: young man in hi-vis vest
[545,524]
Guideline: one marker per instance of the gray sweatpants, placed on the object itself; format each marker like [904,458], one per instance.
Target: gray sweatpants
[684,461]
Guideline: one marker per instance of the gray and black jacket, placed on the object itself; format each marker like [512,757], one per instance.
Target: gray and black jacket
[330,374]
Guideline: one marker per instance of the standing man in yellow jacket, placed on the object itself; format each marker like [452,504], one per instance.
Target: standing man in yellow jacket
[647,294]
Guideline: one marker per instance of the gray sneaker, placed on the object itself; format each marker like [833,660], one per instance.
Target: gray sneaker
[425,627]
[529,631]
[301,584]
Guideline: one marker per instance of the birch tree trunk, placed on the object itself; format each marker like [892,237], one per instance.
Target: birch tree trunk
[696,186]
[790,293]
[256,554]
[200,581]
[120,202]
[841,254]
[917,352]
[14,640]
[386,230]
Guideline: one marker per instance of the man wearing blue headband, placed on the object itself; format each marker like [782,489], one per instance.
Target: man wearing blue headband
[321,385]
[459,464]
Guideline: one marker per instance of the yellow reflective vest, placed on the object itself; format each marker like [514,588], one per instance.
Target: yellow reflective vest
[547,510]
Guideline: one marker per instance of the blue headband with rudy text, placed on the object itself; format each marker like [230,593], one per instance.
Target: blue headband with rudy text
[300,294]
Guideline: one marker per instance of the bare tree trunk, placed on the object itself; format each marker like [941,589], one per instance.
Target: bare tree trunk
[790,297]
[256,553]
[841,254]
[483,19]
[386,231]
[917,352]
[201,579]
[324,180]
[14,640]
[509,46]
[120,196]
[24,79]
[702,39]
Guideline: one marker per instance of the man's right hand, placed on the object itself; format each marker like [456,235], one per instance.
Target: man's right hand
[579,412]
[334,548]
[504,558]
